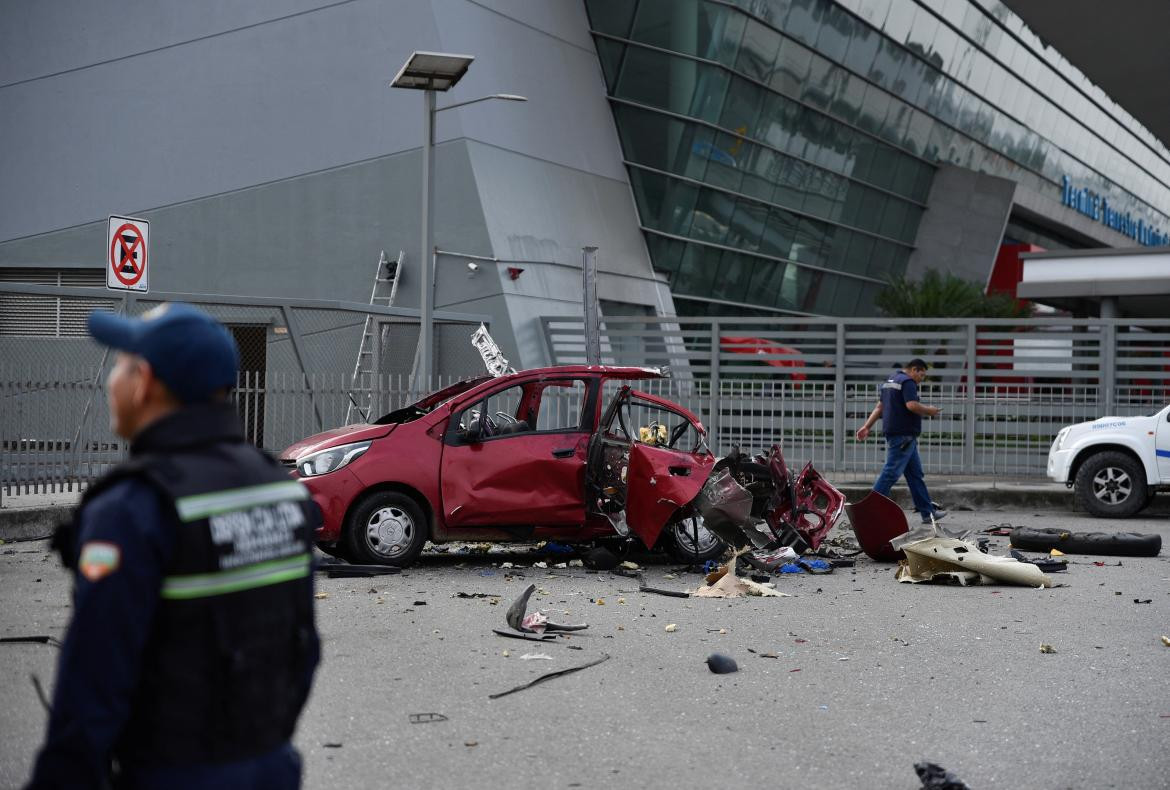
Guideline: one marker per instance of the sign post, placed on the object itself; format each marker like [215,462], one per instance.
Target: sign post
[127,254]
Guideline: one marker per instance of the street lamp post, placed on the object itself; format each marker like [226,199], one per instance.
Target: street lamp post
[432,72]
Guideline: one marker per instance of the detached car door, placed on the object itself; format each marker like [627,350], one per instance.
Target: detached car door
[665,465]
[517,456]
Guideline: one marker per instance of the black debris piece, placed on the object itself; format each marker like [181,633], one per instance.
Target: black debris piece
[668,593]
[550,676]
[39,639]
[332,745]
[601,559]
[1143,600]
[426,718]
[473,595]
[531,637]
[721,664]
[934,777]
[1113,544]
[419,603]
[1046,564]
[340,571]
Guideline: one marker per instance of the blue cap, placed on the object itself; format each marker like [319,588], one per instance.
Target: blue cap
[188,350]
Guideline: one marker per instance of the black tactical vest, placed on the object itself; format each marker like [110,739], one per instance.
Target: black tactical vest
[230,655]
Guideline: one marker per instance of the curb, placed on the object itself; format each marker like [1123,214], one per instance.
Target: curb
[975,498]
[32,523]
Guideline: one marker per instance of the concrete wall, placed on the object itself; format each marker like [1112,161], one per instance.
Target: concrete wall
[963,224]
[262,142]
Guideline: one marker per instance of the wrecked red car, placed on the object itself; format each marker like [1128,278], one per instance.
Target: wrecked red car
[571,453]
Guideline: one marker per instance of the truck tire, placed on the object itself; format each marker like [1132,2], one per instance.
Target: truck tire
[1111,485]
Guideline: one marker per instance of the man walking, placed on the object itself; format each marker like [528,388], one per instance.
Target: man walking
[192,646]
[901,413]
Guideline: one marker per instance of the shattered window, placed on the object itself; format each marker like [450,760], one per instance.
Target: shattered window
[560,405]
[648,423]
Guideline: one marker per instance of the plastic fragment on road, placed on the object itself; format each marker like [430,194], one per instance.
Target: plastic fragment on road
[1166,640]
[721,664]
[877,520]
[550,676]
[934,777]
[671,628]
[536,657]
[932,555]
[1045,648]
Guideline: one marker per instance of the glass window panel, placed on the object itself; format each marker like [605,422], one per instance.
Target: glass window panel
[816,128]
[851,207]
[789,190]
[643,75]
[792,65]
[869,217]
[723,169]
[910,80]
[846,296]
[644,136]
[946,51]
[833,37]
[733,279]
[864,150]
[899,20]
[893,130]
[863,49]
[697,270]
[610,16]
[873,109]
[649,191]
[742,106]
[779,233]
[804,21]
[757,53]
[910,227]
[904,176]
[779,120]
[710,89]
[880,260]
[887,63]
[610,54]
[726,38]
[922,31]
[664,253]
[766,280]
[818,89]
[894,219]
[885,163]
[657,24]
[699,152]
[761,169]
[807,246]
[857,260]
[712,216]
[747,225]
[847,102]
[918,132]
[875,12]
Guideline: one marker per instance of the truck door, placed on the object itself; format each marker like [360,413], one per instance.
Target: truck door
[1162,445]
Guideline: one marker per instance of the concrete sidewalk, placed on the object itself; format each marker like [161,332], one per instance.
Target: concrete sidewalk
[28,516]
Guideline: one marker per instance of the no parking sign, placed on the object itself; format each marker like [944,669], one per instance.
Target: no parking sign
[126,254]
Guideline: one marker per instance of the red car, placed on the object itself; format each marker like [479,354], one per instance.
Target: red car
[566,453]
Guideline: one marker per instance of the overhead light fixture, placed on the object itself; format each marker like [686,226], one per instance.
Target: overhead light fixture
[434,71]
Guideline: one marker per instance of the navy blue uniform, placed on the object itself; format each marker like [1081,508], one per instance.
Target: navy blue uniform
[901,428]
[897,420]
[112,679]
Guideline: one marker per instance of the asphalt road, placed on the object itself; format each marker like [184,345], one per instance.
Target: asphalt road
[869,677]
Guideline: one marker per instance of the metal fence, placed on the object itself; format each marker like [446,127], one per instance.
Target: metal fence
[1006,388]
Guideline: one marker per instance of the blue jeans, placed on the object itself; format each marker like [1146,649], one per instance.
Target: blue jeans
[902,458]
[279,769]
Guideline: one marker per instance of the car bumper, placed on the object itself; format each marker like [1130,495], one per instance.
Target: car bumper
[333,493]
[1059,462]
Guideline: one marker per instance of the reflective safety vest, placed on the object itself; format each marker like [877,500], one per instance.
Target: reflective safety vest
[229,660]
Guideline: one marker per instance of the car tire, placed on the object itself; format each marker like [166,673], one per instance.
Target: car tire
[1111,485]
[386,528]
[678,538]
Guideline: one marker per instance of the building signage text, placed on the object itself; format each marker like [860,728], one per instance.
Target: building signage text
[1094,206]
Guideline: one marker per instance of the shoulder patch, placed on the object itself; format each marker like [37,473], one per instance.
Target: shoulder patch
[99,558]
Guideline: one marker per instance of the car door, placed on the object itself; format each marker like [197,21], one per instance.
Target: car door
[1162,445]
[517,457]
[663,468]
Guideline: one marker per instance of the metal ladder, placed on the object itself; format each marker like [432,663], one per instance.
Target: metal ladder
[385,278]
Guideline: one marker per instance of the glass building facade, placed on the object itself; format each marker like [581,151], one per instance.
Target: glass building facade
[781,152]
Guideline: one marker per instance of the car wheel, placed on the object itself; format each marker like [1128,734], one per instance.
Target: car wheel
[386,528]
[688,540]
[1111,485]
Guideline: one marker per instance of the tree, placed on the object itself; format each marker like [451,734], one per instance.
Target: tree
[945,296]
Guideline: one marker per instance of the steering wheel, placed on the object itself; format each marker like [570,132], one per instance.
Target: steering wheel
[676,434]
[505,418]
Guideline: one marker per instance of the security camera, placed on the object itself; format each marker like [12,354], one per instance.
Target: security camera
[472,267]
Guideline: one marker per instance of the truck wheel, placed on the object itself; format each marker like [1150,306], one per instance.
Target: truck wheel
[1111,485]
[386,528]
[688,540]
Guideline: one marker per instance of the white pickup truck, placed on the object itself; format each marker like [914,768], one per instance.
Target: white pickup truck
[1116,463]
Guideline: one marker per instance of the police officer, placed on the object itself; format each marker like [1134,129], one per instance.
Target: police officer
[192,646]
[901,413]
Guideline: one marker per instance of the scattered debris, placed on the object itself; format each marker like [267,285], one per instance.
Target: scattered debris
[671,628]
[419,603]
[507,653]
[473,595]
[934,777]
[426,718]
[935,555]
[876,521]
[721,664]
[601,559]
[321,596]
[656,591]
[536,657]
[1045,564]
[344,570]
[532,637]
[550,676]
[1166,640]
[38,639]
[1111,544]
[332,745]
[1047,648]
[535,623]
[470,744]
[723,583]
[1143,600]
[629,566]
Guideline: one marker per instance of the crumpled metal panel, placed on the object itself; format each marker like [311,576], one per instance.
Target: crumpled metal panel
[877,520]
[807,504]
[726,508]
[660,482]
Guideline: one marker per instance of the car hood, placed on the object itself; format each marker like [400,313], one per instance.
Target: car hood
[332,438]
[1108,424]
